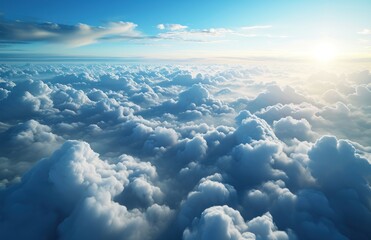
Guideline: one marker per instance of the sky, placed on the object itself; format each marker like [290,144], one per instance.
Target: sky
[112,127]
[320,30]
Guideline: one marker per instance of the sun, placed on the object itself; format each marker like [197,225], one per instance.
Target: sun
[324,51]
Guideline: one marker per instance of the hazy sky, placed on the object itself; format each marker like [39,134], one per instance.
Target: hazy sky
[187,29]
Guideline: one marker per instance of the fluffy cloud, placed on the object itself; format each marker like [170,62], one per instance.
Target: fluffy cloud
[276,95]
[26,99]
[193,103]
[105,151]
[288,128]
[209,192]
[24,144]
[80,188]
[222,222]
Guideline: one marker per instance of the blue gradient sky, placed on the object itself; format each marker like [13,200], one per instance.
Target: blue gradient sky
[241,28]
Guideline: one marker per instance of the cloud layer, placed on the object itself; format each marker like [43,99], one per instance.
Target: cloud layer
[193,152]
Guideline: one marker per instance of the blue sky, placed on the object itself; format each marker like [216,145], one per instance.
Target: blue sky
[185,119]
[190,28]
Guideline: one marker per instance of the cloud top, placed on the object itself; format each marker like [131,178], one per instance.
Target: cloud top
[110,151]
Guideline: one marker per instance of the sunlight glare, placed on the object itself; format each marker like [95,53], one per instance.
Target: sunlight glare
[324,52]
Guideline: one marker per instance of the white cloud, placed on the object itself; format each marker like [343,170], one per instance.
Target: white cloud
[203,35]
[182,33]
[193,151]
[223,222]
[161,26]
[256,27]
[171,27]
[365,31]
[288,128]
[82,34]
[81,189]
[73,35]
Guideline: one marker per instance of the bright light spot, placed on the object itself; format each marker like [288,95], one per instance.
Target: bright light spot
[324,52]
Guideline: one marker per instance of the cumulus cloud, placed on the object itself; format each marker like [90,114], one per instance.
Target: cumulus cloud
[223,222]
[110,151]
[80,188]
[24,144]
[209,192]
[271,96]
[74,35]
[26,99]
[287,128]
[192,103]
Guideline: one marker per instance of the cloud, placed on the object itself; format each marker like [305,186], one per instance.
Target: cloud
[256,31]
[274,95]
[287,128]
[256,27]
[24,144]
[348,164]
[191,104]
[183,33]
[209,192]
[223,222]
[333,96]
[343,175]
[80,188]
[73,35]
[24,32]
[365,32]
[195,35]
[362,77]
[171,27]
[108,151]
[179,32]
[297,111]
[361,96]
[161,26]
[27,99]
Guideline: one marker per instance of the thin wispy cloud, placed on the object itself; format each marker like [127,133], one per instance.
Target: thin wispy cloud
[257,31]
[365,32]
[256,27]
[171,27]
[78,35]
[183,33]
[196,35]
[72,35]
